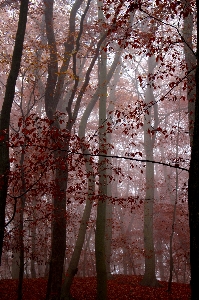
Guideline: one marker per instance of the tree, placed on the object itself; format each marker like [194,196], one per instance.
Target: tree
[193,187]
[149,278]
[5,113]
[53,93]
[190,59]
[100,253]
[73,265]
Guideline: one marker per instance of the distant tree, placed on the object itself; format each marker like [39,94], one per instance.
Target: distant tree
[149,278]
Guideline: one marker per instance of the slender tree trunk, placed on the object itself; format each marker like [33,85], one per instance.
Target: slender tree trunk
[190,59]
[160,259]
[174,216]
[149,278]
[15,244]
[5,114]
[72,269]
[100,254]
[33,241]
[21,228]
[108,235]
[21,253]
[109,220]
[126,235]
[193,187]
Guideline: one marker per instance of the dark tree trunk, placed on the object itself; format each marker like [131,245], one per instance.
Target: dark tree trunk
[58,243]
[193,189]
[5,114]
[53,93]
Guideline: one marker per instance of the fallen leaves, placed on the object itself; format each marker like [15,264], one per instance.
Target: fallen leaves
[120,287]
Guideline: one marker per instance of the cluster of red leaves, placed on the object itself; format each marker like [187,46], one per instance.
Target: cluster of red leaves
[120,287]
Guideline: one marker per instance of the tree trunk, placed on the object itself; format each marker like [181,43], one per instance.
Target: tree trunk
[33,240]
[100,254]
[15,245]
[72,269]
[149,278]
[190,59]
[5,114]
[171,265]
[53,93]
[21,253]
[21,227]
[109,220]
[91,192]
[58,242]
[193,187]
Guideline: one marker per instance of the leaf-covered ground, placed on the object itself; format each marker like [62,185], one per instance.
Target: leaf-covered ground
[121,287]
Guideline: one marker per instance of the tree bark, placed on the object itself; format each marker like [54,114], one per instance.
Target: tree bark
[15,245]
[53,94]
[72,269]
[193,187]
[5,114]
[149,278]
[33,242]
[100,254]
[91,191]
[21,228]
[109,213]
[190,59]
[171,264]
[58,241]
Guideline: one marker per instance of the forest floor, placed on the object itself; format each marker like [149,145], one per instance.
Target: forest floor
[121,287]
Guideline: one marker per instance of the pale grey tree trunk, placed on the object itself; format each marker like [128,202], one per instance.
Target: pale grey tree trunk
[109,220]
[85,271]
[149,278]
[125,232]
[21,226]
[33,242]
[171,264]
[190,59]
[161,266]
[72,268]
[100,254]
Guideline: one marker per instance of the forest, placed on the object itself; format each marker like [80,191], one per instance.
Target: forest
[99,149]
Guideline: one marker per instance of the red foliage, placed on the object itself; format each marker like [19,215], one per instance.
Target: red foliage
[120,287]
